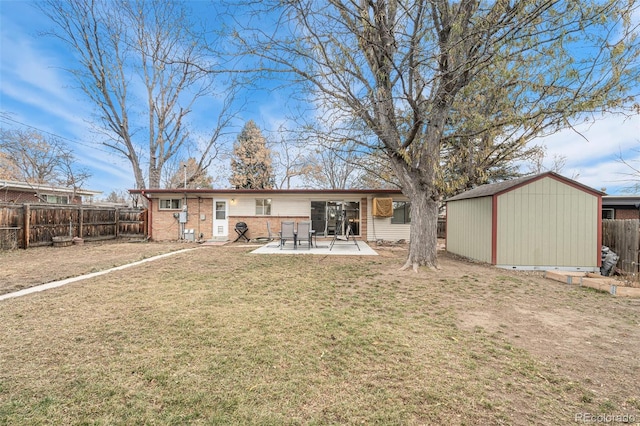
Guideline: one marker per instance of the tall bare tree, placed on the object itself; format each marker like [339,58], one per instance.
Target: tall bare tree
[337,166]
[139,58]
[425,74]
[251,161]
[292,161]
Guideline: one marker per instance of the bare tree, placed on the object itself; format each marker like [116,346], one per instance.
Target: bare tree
[337,166]
[540,162]
[138,58]
[292,159]
[188,175]
[423,75]
[31,157]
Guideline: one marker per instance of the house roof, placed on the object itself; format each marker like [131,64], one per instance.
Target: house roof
[27,186]
[621,201]
[157,191]
[500,187]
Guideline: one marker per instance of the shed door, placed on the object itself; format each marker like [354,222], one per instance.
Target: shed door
[220,221]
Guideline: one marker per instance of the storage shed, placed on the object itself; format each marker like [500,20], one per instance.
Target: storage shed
[543,221]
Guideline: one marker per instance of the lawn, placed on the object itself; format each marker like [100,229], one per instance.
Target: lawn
[218,335]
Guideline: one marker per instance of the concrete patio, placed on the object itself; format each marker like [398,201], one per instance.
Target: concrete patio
[344,248]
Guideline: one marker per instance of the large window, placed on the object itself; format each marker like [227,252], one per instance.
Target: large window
[333,217]
[263,206]
[401,212]
[171,204]
[55,199]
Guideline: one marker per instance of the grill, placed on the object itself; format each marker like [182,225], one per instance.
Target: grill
[241,229]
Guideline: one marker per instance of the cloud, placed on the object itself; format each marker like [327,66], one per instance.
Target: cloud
[593,152]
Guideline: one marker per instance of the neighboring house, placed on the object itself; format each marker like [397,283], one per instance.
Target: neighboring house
[621,207]
[211,214]
[26,193]
[544,221]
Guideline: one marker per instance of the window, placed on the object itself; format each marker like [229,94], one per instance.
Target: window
[263,206]
[171,204]
[608,214]
[221,211]
[55,199]
[401,212]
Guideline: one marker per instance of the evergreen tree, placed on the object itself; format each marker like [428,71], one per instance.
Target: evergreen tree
[251,162]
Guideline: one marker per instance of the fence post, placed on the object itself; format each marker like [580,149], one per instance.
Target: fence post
[80,221]
[117,222]
[27,225]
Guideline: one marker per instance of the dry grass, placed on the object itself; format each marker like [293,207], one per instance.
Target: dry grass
[220,336]
[40,265]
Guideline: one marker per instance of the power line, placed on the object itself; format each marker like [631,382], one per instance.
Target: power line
[5,119]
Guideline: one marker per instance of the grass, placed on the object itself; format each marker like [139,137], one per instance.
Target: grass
[225,337]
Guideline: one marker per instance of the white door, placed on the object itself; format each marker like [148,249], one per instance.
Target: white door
[220,221]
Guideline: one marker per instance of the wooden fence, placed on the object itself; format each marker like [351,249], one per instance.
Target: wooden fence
[33,225]
[623,237]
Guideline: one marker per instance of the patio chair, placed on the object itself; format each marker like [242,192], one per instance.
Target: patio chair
[304,233]
[287,232]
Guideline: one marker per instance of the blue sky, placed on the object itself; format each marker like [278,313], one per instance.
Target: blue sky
[35,92]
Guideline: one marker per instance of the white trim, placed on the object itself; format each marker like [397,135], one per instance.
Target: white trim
[8,184]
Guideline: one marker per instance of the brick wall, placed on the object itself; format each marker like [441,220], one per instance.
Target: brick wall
[199,218]
[18,197]
[626,214]
[29,197]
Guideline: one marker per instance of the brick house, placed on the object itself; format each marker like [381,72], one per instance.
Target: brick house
[211,214]
[621,207]
[25,193]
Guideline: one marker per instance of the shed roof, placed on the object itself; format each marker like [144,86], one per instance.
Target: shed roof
[500,187]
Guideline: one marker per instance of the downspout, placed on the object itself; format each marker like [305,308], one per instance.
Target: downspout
[149,215]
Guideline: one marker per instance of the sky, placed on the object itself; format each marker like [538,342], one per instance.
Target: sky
[36,93]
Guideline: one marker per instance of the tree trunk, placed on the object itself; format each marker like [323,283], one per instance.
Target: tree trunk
[424,231]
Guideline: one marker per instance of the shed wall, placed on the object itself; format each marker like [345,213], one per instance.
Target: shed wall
[469,224]
[547,223]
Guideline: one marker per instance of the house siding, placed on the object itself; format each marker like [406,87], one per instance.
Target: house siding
[547,223]
[381,228]
[242,208]
[469,224]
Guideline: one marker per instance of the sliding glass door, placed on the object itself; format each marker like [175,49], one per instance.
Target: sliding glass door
[333,217]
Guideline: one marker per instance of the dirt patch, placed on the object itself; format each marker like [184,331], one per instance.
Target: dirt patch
[40,265]
[591,337]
